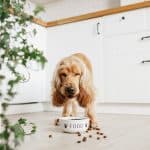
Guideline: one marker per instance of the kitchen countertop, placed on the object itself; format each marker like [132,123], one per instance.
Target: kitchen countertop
[91,15]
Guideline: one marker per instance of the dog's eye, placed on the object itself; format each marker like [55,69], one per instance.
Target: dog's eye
[63,74]
[77,74]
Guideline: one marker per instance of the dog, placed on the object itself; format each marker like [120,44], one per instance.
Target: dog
[72,84]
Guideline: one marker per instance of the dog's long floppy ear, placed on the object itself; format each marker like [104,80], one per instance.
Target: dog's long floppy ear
[87,93]
[57,97]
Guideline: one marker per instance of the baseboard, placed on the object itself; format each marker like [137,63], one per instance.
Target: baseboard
[25,108]
[114,108]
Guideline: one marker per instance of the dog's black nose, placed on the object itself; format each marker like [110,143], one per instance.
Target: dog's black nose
[70,90]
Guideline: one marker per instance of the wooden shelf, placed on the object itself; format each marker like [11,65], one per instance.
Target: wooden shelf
[92,15]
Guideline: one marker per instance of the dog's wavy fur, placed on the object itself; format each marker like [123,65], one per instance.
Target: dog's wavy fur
[86,94]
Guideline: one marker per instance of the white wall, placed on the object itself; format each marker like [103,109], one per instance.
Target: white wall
[58,9]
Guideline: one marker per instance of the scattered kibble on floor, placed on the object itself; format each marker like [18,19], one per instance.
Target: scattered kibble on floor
[78,141]
[89,133]
[84,139]
[104,136]
[90,136]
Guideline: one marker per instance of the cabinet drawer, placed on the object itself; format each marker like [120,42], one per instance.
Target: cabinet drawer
[126,77]
[132,49]
[127,22]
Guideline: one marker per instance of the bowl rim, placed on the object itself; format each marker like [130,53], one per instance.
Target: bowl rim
[70,118]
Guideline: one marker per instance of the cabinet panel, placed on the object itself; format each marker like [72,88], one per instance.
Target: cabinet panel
[72,38]
[31,90]
[126,77]
[123,23]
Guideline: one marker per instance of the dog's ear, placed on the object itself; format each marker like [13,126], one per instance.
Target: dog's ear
[86,87]
[57,98]
[87,94]
[85,97]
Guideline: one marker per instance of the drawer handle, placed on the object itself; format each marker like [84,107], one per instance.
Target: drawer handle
[145,37]
[145,61]
[98,24]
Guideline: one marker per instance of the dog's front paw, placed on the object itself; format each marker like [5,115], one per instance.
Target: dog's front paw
[93,124]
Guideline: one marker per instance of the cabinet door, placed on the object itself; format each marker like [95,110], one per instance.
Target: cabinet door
[34,89]
[127,78]
[73,38]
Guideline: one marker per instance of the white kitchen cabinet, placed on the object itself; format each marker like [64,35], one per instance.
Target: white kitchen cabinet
[126,78]
[34,89]
[81,37]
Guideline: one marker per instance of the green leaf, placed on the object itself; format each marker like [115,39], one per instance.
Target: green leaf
[4,106]
[22,121]
[34,32]
[18,132]
[38,9]
[4,135]
[2,147]
[1,115]
[2,77]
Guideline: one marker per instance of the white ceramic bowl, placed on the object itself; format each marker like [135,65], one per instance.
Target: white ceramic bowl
[74,124]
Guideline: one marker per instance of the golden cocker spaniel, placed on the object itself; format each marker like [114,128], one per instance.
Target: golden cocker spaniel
[73,85]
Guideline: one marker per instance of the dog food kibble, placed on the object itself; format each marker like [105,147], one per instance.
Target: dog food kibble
[78,133]
[104,136]
[89,129]
[97,128]
[84,139]
[97,132]
[78,141]
[90,136]
[98,138]
[50,136]
[101,133]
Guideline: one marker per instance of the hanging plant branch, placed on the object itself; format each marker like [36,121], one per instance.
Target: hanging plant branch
[15,50]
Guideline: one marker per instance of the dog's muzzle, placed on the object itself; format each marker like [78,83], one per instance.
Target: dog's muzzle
[70,91]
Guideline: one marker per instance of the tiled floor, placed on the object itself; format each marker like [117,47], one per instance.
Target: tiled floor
[125,132]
